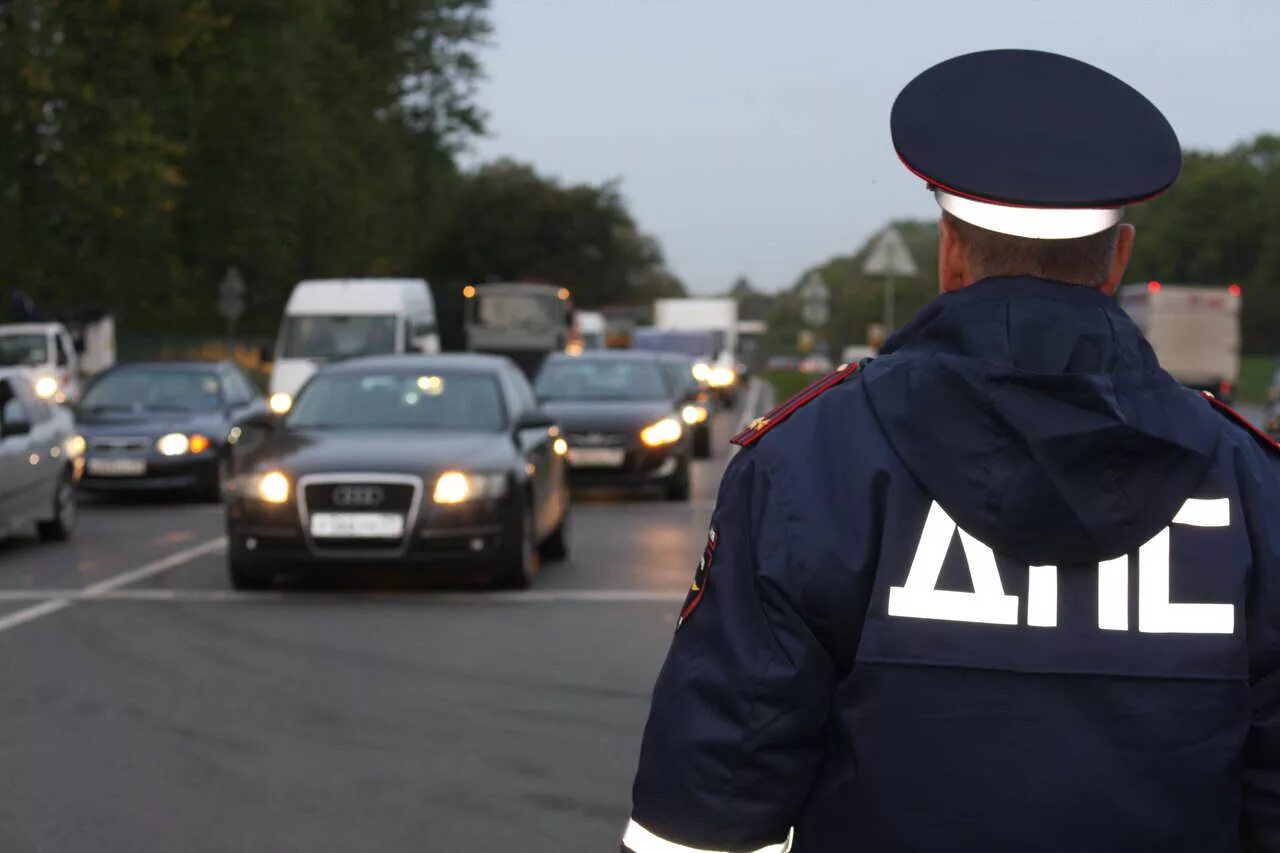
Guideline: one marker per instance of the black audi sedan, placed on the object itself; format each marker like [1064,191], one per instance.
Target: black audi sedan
[621,415]
[441,463]
[163,426]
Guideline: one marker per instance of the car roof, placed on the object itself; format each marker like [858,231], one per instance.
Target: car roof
[609,355]
[442,361]
[170,365]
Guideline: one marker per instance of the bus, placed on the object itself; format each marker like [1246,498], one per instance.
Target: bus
[524,321]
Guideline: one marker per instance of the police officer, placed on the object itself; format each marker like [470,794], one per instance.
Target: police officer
[1008,587]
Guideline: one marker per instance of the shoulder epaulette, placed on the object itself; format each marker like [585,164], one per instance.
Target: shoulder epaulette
[761,425]
[1263,439]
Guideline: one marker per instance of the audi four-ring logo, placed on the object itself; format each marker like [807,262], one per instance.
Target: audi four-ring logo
[358,496]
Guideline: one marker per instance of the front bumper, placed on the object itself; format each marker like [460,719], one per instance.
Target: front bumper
[162,473]
[641,466]
[467,538]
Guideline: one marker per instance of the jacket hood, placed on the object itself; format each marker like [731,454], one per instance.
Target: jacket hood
[1036,414]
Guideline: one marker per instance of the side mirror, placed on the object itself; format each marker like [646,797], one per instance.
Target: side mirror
[250,433]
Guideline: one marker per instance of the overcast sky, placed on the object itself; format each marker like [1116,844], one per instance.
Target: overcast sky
[751,136]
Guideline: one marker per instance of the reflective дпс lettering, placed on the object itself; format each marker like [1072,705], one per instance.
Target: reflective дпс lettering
[920,598]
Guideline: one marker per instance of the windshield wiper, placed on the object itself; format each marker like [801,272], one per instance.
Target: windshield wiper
[111,407]
[168,408]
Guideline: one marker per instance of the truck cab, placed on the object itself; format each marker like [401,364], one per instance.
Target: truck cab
[46,354]
[334,319]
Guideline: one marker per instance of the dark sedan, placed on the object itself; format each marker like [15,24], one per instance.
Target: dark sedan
[440,463]
[620,412]
[163,426]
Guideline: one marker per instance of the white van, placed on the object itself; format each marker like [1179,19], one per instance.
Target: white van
[334,319]
[46,353]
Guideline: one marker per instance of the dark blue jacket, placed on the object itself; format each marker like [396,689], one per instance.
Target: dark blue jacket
[1009,588]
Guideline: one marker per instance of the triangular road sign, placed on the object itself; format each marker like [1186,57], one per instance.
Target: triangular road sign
[889,256]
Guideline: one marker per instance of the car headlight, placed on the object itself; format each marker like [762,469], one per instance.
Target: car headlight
[455,487]
[269,487]
[560,446]
[692,414]
[665,431]
[280,402]
[180,444]
[701,371]
[46,387]
[74,446]
[721,377]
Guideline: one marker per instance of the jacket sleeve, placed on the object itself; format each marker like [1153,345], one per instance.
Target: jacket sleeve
[1260,820]
[736,729]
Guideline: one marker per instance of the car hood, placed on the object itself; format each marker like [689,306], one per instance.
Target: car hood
[607,415]
[153,424]
[387,451]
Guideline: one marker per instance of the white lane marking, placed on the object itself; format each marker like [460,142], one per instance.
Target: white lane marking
[66,597]
[110,585]
[29,614]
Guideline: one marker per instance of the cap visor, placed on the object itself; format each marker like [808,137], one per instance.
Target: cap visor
[1036,223]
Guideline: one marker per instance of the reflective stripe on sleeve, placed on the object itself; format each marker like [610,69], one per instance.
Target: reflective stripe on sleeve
[637,839]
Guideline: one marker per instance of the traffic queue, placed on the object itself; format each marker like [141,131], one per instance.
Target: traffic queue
[370,447]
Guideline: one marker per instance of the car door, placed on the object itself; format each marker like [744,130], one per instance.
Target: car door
[45,449]
[19,475]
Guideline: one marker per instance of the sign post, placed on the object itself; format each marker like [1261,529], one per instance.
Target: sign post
[815,304]
[889,257]
[231,305]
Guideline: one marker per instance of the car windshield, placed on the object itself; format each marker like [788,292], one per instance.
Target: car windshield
[325,337]
[154,389]
[602,379]
[400,400]
[27,348]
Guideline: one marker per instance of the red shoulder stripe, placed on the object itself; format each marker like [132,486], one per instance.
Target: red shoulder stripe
[1266,440]
[781,412]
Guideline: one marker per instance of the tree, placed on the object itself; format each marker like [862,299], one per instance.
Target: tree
[512,224]
[153,143]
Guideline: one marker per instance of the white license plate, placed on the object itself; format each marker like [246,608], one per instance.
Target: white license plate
[597,457]
[357,525]
[117,467]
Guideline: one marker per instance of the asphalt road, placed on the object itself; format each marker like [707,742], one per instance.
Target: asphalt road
[146,706]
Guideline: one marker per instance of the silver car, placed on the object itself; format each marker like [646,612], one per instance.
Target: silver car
[40,461]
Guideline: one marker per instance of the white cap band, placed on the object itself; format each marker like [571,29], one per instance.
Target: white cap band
[1036,223]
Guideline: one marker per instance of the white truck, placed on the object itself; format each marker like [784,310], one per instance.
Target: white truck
[1194,330]
[56,358]
[718,316]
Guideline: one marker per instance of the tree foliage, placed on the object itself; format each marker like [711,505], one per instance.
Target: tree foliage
[149,144]
[511,224]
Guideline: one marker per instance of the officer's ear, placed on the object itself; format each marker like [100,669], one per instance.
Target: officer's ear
[1125,235]
[953,261]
